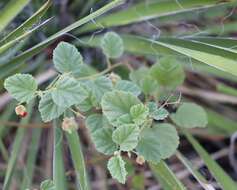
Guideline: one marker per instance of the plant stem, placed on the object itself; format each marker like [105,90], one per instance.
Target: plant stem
[101,73]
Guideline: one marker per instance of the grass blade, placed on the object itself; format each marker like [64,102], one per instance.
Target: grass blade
[166,176]
[201,180]
[220,175]
[149,10]
[215,56]
[78,160]
[10,11]
[31,159]
[19,60]
[19,31]
[9,44]
[15,150]
[226,89]
[220,124]
[58,164]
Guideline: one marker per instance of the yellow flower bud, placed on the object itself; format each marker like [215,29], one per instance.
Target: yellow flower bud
[140,160]
[21,110]
[114,78]
[69,124]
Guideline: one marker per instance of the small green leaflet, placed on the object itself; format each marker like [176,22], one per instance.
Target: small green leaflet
[89,102]
[99,86]
[143,79]
[190,115]
[157,113]
[102,139]
[96,121]
[158,142]
[149,85]
[21,86]
[112,45]
[47,185]
[68,91]
[67,59]
[117,103]
[124,120]
[128,86]
[126,136]
[168,72]
[48,109]
[117,169]
[139,113]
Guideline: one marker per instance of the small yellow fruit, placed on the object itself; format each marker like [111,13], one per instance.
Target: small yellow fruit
[140,160]
[21,111]
[69,124]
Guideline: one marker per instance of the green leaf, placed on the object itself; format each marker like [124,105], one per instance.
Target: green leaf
[168,72]
[126,136]
[197,116]
[158,142]
[117,169]
[68,92]
[87,104]
[102,139]
[99,86]
[220,175]
[157,113]
[96,121]
[48,109]
[112,45]
[139,113]
[67,59]
[117,103]
[47,185]
[21,86]
[160,114]
[124,120]
[128,86]
[143,79]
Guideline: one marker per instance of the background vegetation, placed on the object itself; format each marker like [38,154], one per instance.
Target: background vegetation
[199,35]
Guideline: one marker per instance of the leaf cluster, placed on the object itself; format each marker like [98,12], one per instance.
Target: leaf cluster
[123,116]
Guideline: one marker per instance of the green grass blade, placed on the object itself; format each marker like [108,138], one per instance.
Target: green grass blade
[219,123]
[215,56]
[19,60]
[31,159]
[226,89]
[16,148]
[10,11]
[220,175]
[3,150]
[58,164]
[78,160]
[149,10]
[9,44]
[206,69]
[166,176]
[28,24]
[201,180]
[218,41]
